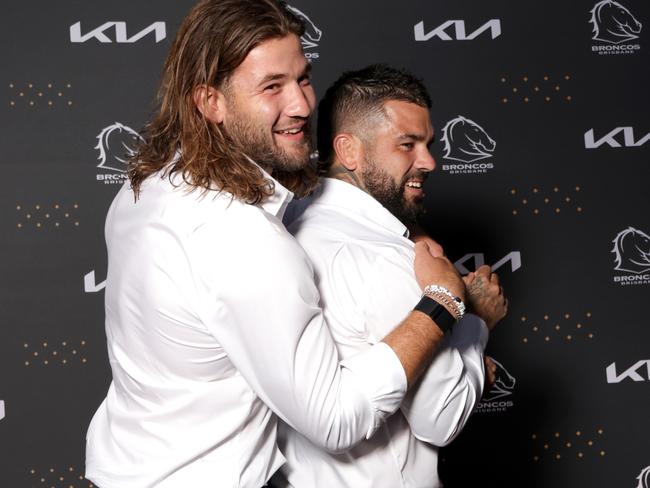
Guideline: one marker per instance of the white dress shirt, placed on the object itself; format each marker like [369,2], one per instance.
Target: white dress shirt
[213,326]
[364,270]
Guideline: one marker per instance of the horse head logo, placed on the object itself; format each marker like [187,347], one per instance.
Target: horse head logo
[613,23]
[116,144]
[503,384]
[312,34]
[632,250]
[466,141]
[644,478]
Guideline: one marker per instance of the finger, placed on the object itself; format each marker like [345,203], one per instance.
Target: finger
[421,246]
[468,278]
[424,264]
[436,250]
[491,375]
[449,263]
[493,289]
[418,235]
[500,290]
[494,278]
[484,270]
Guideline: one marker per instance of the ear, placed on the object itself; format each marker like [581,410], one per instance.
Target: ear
[348,150]
[211,102]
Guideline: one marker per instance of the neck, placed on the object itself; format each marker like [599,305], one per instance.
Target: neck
[340,172]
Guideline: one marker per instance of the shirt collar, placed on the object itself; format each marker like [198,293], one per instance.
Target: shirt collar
[277,203]
[354,200]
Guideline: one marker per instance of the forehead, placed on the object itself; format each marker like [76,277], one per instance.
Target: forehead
[406,118]
[277,57]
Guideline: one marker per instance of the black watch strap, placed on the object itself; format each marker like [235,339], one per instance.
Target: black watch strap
[439,314]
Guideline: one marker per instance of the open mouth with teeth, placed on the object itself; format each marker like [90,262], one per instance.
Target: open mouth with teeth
[414,184]
[292,133]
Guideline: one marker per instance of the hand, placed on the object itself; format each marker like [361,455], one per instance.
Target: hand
[436,270]
[490,374]
[485,297]
[417,234]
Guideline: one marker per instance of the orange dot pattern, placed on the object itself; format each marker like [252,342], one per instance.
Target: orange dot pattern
[546,200]
[48,353]
[59,477]
[47,215]
[557,327]
[577,444]
[540,90]
[45,95]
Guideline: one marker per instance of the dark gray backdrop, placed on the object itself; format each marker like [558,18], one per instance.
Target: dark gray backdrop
[566,176]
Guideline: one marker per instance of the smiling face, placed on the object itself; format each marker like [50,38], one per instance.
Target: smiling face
[397,159]
[268,103]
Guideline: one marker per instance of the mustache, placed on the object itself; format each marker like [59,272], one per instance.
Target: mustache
[305,121]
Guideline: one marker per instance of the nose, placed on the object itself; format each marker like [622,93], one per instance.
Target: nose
[425,161]
[301,100]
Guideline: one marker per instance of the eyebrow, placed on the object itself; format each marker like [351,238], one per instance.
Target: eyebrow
[280,76]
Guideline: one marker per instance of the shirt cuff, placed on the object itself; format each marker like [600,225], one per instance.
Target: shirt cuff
[382,378]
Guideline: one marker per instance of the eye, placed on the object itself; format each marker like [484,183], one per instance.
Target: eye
[304,80]
[407,146]
[272,87]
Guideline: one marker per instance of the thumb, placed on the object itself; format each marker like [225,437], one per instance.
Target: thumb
[468,278]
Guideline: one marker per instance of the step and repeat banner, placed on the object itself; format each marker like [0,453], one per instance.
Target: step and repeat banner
[542,119]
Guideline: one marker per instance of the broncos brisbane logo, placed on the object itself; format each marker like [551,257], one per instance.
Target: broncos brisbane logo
[613,23]
[632,251]
[644,478]
[116,144]
[503,384]
[312,34]
[466,141]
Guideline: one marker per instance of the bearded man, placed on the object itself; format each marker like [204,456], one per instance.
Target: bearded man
[213,322]
[374,134]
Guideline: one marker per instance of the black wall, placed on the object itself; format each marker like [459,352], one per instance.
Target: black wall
[561,173]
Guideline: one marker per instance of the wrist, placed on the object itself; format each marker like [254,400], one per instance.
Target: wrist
[436,312]
[452,303]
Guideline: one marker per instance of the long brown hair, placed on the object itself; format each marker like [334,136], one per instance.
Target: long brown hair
[213,40]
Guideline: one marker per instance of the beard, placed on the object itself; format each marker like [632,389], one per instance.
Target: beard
[256,141]
[391,194]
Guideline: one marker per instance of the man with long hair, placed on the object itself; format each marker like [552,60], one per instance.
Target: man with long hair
[213,321]
[374,132]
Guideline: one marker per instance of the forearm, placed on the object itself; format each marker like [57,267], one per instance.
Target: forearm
[415,342]
[277,339]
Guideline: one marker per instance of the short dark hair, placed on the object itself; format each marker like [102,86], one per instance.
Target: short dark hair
[356,95]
